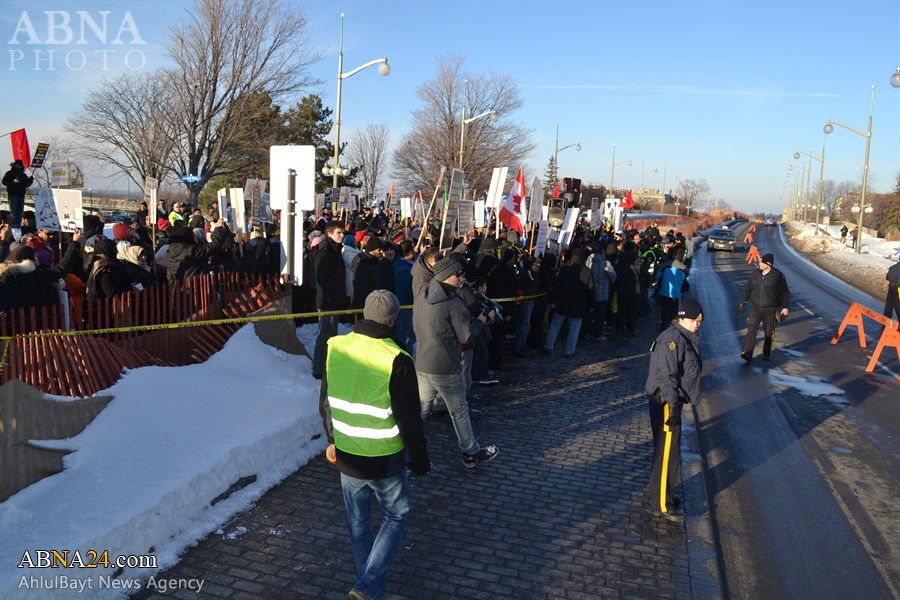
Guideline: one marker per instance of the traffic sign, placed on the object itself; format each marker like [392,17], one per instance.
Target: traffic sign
[190,178]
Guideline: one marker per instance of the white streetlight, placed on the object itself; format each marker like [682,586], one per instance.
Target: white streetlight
[556,152]
[384,69]
[829,127]
[465,121]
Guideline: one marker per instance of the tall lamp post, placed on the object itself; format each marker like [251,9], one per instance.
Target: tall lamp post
[612,176]
[643,170]
[384,69]
[556,152]
[821,160]
[861,207]
[465,121]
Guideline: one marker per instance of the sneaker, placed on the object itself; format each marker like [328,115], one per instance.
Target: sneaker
[484,455]
[746,356]
[355,594]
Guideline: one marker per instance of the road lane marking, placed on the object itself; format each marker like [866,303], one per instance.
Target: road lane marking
[806,309]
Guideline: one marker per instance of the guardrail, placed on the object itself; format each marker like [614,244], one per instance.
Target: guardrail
[890,337]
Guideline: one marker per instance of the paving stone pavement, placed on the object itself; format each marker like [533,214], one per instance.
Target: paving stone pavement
[558,514]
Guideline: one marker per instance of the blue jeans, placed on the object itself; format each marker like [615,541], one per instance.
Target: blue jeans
[16,208]
[328,328]
[373,556]
[556,325]
[522,325]
[452,388]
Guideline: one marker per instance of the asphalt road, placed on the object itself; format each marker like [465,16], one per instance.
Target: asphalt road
[801,452]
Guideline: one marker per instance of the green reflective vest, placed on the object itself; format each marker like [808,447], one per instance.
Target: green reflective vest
[358,370]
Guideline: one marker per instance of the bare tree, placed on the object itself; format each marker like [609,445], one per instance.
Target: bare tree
[433,141]
[226,55]
[59,148]
[368,152]
[694,192]
[121,125]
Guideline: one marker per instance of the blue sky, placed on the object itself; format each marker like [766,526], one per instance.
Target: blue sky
[725,91]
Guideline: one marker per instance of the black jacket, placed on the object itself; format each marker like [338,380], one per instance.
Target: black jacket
[675,366]
[23,285]
[766,291]
[331,290]
[365,267]
[17,188]
[404,391]
[573,292]
[189,259]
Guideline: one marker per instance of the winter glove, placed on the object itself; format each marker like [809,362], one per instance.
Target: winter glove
[741,307]
[674,414]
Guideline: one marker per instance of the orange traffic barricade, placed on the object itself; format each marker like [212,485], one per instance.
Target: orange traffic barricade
[748,238]
[753,255]
[890,337]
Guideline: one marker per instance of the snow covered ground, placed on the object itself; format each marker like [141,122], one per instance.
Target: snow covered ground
[142,476]
[863,271]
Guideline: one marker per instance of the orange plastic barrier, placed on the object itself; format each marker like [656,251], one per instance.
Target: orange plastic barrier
[752,227]
[890,337]
[748,238]
[753,255]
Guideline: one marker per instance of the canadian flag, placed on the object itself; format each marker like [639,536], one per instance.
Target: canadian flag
[628,201]
[511,212]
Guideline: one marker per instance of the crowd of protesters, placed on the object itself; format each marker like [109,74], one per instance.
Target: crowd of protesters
[604,280]
[99,261]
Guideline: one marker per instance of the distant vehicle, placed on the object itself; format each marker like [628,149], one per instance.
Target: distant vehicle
[721,239]
[771,220]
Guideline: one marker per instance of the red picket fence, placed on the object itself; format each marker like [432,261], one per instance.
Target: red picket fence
[80,365]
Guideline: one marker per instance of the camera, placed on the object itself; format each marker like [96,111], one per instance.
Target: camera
[482,305]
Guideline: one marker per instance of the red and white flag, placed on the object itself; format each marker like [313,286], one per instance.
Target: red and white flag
[556,189]
[628,201]
[20,148]
[511,213]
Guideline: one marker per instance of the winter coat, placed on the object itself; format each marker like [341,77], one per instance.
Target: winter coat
[365,267]
[766,291]
[331,288]
[573,292]
[603,274]
[17,189]
[442,324]
[24,285]
[188,259]
[675,366]
[627,268]
[421,276]
[671,279]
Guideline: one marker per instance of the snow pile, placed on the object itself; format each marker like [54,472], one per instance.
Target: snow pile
[174,455]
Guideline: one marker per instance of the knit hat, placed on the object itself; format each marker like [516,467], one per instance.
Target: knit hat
[690,309]
[489,244]
[374,243]
[382,307]
[163,224]
[769,259]
[447,268]
[120,231]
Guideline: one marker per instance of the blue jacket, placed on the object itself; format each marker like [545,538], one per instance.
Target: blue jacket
[670,278]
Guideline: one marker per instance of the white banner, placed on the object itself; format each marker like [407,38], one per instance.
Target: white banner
[495,192]
[238,210]
[479,213]
[536,201]
[406,207]
[543,235]
[568,228]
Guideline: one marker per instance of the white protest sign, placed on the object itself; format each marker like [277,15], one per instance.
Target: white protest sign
[498,182]
[45,215]
[543,235]
[238,210]
[479,213]
[69,209]
[537,200]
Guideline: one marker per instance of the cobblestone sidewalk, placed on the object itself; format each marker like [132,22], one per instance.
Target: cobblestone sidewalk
[558,514]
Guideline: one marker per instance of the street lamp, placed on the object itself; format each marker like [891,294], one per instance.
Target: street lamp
[643,170]
[465,121]
[577,147]
[821,160]
[384,69]
[829,127]
[895,78]
[612,176]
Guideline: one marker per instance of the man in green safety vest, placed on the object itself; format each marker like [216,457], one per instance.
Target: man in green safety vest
[370,409]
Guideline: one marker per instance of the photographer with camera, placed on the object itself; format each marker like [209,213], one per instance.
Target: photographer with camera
[443,324]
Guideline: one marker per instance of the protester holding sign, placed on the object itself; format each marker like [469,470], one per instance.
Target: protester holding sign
[17,181]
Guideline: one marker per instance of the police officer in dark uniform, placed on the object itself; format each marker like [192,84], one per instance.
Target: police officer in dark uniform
[769,296]
[673,381]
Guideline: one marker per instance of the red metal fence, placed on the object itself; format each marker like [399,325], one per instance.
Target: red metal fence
[81,365]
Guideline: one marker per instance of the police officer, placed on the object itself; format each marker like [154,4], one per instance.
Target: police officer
[674,380]
[370,409]
[769,296]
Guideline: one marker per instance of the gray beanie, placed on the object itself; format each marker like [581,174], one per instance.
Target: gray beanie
[447,267]
[382,307]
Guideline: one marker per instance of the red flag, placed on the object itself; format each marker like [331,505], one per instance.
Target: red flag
[628,201]
[20,148]
[511,211]
[392,189]
[556,190]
